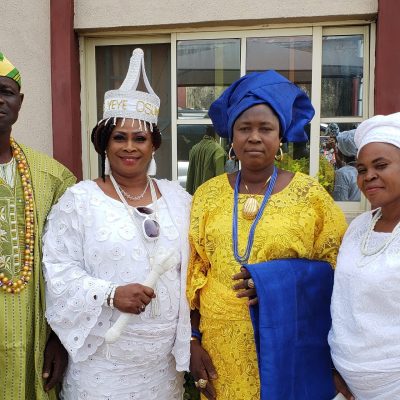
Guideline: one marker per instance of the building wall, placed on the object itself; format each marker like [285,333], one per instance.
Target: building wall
[387,82]
[102,14]
[25,40]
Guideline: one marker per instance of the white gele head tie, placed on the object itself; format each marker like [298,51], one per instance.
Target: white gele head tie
[127,101]
[380,128]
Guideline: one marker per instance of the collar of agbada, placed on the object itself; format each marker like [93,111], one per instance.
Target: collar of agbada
[8,70]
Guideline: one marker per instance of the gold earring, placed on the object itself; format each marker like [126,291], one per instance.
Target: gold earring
[230,153]
[280,157]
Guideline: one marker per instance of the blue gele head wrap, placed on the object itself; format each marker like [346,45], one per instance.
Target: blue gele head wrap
[289,102]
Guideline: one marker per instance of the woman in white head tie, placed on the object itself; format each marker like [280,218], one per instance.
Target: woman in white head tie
[103,240]
[365,332]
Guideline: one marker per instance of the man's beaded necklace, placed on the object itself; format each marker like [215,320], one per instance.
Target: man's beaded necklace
[16,285]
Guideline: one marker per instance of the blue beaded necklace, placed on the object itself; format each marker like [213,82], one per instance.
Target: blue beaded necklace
[243,259]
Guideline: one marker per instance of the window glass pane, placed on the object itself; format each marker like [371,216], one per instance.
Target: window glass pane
[338,154]
[204,69]
[342,76]
[295,157]
[111,67]
[188,136]
[290,56]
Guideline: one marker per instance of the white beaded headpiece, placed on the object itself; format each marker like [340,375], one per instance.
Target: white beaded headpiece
[127,101]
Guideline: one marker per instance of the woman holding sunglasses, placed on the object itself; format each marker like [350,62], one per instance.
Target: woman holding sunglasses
[103,238]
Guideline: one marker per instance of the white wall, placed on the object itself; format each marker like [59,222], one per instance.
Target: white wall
[95,14]
[25,40]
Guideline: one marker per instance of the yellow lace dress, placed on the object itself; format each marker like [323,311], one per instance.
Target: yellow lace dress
[300,221]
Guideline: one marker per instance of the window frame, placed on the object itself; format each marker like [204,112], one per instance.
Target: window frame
[89,42]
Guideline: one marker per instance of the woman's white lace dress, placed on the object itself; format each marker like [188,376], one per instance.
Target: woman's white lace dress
[365,334]
[90,241]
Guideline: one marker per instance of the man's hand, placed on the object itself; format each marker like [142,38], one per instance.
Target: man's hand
[55,362]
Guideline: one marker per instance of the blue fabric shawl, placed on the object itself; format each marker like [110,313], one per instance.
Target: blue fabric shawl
[291,324]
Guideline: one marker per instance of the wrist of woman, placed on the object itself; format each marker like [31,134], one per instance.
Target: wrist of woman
[196,335]
[109,298]
[107,295]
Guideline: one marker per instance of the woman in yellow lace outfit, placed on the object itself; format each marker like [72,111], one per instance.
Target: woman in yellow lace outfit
[300,220]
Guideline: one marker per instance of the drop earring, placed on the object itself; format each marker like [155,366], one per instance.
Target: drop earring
[230,156]
[280,157]
[152,170]
[107,167]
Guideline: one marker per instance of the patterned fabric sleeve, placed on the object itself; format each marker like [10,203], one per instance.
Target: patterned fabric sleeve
[67,180]
[75,309]
[330,225]
[198,262]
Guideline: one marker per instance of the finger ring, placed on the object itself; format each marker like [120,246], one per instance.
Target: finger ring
[201,383]
[142,307]
[250,284]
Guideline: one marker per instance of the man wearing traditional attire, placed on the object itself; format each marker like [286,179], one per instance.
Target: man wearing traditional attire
[32,360]
[206,160]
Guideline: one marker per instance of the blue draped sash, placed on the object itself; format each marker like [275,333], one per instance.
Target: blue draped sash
[291,324]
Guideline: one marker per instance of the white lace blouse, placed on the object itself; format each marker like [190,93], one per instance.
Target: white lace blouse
[90,241]
[365,309]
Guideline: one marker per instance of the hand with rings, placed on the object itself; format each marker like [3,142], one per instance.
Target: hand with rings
[203,370]
[245,287]
[133,298]
[201,383]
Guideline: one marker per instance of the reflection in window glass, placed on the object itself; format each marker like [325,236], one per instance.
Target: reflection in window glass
[342,75]
[111,67]
[295,157]
[188,136]
[290,56]
[205,68]
[338,151]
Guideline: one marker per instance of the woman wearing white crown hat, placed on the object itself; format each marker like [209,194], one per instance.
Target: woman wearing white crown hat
[104,239]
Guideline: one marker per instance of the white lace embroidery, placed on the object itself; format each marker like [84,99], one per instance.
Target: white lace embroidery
[88,243]
[366,312]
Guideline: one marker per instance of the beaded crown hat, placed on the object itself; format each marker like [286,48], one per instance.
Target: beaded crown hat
[127,101]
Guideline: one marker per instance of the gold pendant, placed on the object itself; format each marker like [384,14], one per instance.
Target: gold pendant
[250,208]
